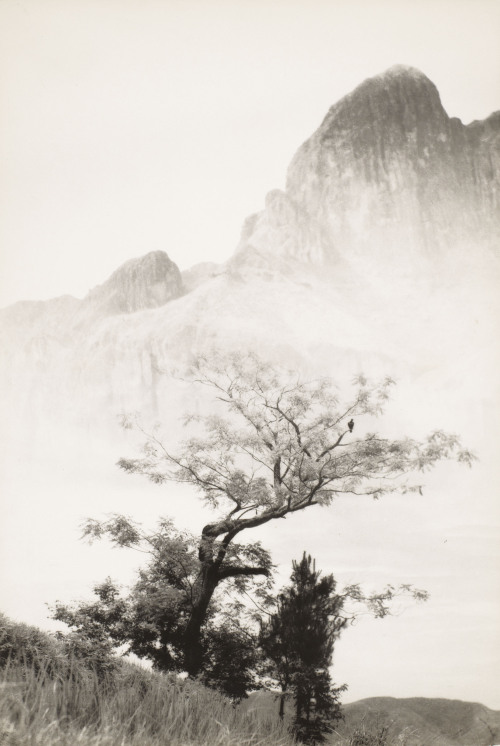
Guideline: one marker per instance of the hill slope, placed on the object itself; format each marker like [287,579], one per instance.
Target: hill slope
[440,722]
[416,721]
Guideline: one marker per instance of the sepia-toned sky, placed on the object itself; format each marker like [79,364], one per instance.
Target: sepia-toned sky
[132,126]
[135,125]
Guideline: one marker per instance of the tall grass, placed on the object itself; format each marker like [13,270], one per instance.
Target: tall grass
[53,701]
[132,708]
[375,734]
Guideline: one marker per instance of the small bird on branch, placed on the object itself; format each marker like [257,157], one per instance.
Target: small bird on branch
[350,425]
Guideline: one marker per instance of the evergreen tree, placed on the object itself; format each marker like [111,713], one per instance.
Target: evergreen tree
[298,640]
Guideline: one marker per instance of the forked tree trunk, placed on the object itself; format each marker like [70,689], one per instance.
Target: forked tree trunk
[212,572]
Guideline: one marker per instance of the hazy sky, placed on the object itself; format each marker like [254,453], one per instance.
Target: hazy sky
[130,126]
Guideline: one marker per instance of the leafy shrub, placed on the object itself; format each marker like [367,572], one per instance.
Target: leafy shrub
[29,646]
[363,737]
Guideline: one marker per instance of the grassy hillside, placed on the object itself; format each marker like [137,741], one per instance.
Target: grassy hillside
[50,699]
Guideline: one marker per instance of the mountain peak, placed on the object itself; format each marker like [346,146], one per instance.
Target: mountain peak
[401,98]
[402,71]
[149,281]
[406,80]
[386,182]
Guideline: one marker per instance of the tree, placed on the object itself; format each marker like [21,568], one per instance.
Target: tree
[298,639]
[150,620]
[281,445]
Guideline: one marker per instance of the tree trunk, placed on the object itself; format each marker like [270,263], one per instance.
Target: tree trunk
[282,705]
[212,572]
[202,595]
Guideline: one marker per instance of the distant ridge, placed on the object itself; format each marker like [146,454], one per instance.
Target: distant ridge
[440,722]
[422,721]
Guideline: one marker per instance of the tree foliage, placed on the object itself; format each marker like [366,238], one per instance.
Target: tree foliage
[151,618]
[274,445]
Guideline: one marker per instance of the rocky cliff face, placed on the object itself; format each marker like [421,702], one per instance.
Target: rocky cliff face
[388,179]
[147,282]
[388,176]
[65,355]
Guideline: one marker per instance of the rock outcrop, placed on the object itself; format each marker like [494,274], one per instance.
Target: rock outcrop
[147,282]
[388,176]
